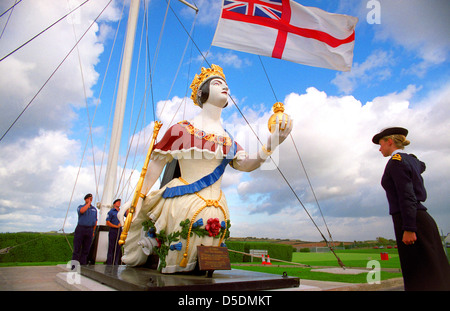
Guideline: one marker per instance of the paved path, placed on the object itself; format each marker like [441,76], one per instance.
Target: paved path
[51,278]
[30,278]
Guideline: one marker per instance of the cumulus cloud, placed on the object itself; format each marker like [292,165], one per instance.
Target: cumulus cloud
[376,68]
[419,27]
[333,135]
[228,59]
[39,162]
[210,11]
[23,73]
[36,178]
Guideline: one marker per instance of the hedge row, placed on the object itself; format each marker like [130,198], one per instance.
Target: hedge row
[41,247]
[35,247]
[277,251]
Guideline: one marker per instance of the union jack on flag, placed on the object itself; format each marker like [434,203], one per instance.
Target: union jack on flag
[262,8]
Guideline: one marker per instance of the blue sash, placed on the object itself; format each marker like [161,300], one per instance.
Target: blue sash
[206,181]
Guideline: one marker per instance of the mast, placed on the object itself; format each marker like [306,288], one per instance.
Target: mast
[100,245]
[111,168]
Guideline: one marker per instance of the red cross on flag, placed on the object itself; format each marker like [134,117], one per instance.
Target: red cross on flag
[287,30]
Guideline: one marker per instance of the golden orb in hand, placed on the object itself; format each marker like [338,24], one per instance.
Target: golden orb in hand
[278,111]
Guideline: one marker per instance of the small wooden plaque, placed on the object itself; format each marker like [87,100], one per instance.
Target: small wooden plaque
[213,258]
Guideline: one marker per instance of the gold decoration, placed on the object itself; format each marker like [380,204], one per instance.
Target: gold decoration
[216,204]
[137,193]
[397,157]
[267,152]
[216,139]
[278,111]
[206,73]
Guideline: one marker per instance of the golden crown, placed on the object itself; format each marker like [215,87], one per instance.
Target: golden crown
[206,73]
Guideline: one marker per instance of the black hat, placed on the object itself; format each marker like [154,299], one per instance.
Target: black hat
[89,195]
[116,201]
[389,131]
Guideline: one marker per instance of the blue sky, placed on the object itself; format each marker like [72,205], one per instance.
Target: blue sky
[400,76]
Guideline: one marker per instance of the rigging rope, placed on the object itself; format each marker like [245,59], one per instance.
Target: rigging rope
[87,140]
[148,84]
[151,77]
[289,185]
[131,136]
[9,16]
[289,262]
[160,38]
[257,137]
[53,73]
[101,91]
[11,8]
[179,65]
[298,155]
[330,246]
[85,101]
[21,46]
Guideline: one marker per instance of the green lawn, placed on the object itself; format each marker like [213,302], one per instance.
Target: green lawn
[351,258]
[307,274]
[357,258]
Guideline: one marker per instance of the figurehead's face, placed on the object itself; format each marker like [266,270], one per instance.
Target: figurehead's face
[215,92]
[218,92]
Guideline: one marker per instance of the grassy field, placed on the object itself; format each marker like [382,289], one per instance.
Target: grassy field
[357,258]
[307,274]
[351,258]
[51,249]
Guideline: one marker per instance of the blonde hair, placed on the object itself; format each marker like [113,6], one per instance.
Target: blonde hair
[400,141]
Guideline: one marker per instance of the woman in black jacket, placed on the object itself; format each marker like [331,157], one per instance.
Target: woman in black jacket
[422,258]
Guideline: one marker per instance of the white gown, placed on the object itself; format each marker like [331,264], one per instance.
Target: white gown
[167,213]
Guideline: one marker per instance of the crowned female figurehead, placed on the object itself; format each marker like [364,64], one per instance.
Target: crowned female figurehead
[200,84]
[191,203]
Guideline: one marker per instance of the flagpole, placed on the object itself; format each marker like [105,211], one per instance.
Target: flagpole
[189,5]
[111,169]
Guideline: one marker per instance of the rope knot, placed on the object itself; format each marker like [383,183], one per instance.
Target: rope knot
[214,203]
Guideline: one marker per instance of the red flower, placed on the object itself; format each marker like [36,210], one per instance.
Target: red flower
[159,242]
[213,226]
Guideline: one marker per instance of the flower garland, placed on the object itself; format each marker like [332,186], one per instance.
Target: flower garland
[213,228]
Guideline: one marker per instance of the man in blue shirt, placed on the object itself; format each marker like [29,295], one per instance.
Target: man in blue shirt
[115,229]
[84,232]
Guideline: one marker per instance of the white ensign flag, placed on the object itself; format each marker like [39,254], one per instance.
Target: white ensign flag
[287,30]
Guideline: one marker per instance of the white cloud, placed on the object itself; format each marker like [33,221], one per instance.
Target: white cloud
[376,68]
[36,179]
[419,26]
[39,162]
[210,11]
[39,166]
[23,73]
[333,135]
[228,58]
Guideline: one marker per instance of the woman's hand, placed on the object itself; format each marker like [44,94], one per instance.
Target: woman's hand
[409,237]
